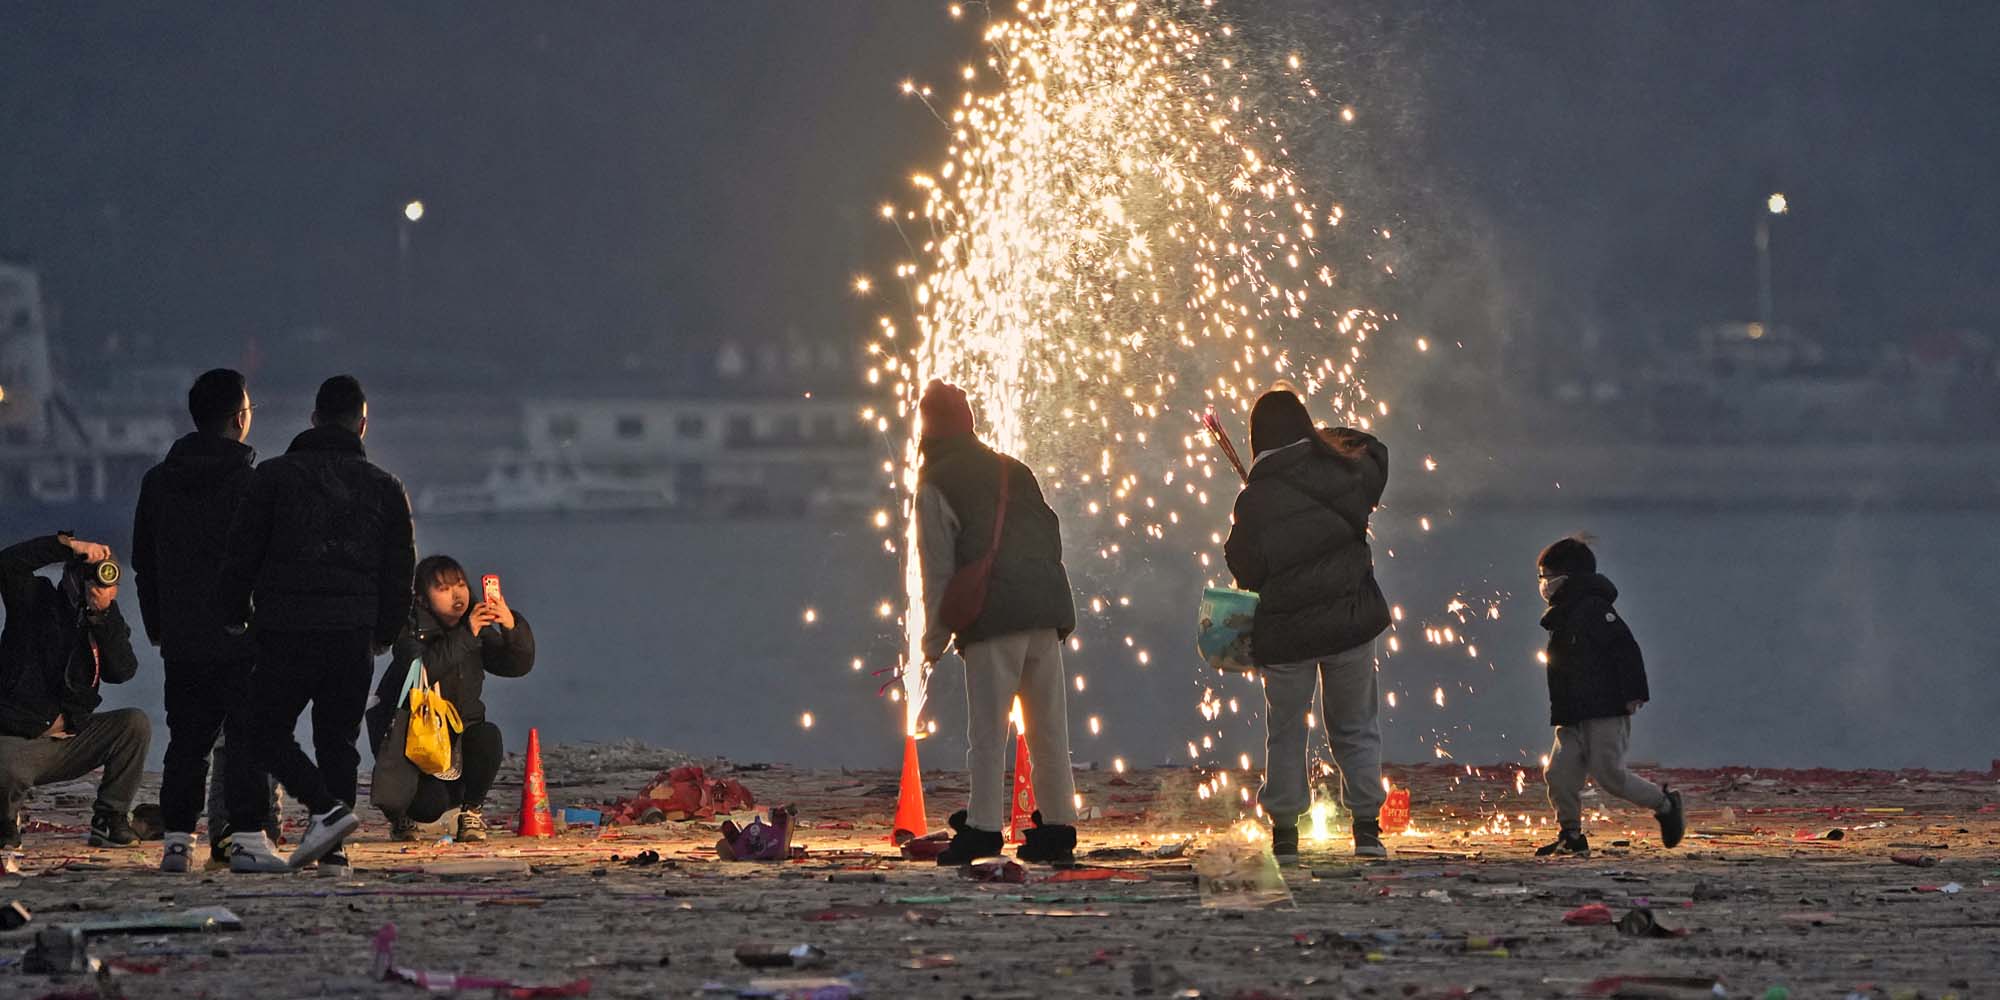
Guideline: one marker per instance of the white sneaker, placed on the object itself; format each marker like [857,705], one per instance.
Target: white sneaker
[179,856]
[324,834]
[252,854]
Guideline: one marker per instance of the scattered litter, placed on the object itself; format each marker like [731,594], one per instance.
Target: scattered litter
[1949,888]
[759,840]
[574,816]
[1915,860]
[1437,895]
[1238,875]
[643,859]
[1098,875]
[387,970]
[58,951]
[997,870]
[922,962]
[1589,915]
[803,988]
[1815,918]
[842,913]
[475,867]
[926,848]
[1640,922]
[683,793]
[768,956]
[1657,986]
[856,878]
[197,919]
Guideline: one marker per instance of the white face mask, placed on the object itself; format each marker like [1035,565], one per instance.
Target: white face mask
[1551,584]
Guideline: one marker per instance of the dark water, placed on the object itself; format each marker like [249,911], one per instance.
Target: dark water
[1772,638]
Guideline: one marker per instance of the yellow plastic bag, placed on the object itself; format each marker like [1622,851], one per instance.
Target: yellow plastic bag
[432,721]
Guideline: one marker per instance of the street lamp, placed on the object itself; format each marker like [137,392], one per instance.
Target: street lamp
[412,211]
[415,209]
[1774,205]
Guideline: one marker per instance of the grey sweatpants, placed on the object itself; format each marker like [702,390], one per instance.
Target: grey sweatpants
[115,741]
[1349,699]
[1595,750]
[1028,664]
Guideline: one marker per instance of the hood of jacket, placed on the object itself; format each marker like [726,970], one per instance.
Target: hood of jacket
[1576,587]
[201,463]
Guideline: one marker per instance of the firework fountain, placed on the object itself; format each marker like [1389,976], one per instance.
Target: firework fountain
[1117,241]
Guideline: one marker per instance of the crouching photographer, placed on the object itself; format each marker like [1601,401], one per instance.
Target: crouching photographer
[451,644]
[61,643]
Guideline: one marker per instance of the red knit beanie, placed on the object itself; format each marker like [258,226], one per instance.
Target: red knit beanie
[946,413]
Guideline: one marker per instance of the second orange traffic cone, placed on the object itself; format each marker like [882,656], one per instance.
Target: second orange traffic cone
[1024,791]
[910,822]
[536,821]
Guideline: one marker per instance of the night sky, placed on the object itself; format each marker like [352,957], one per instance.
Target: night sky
[634,179]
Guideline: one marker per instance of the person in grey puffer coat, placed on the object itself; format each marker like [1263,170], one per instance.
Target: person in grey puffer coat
[1300,540]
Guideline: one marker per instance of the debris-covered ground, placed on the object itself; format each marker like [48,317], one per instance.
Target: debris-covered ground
[1790,879]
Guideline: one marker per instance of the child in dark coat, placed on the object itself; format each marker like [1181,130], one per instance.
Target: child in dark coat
[1597,680]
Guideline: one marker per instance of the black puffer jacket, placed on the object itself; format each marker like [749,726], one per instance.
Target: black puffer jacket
[323,542]
[179,536]
[47,666]
[1301,542]
[1029,588]
[1595,667]
[456,660]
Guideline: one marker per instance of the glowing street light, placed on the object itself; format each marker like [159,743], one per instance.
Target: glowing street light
[415,210]
[1767,322]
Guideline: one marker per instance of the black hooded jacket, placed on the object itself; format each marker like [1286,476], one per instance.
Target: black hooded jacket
[1595,668]
[47,664]
[179,536]
[454,659]
[323,540]
[1300,540]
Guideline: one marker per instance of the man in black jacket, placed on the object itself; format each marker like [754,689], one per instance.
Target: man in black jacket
[322,547]
[1300,540]
[61,642]
[186,504]
[1597,681]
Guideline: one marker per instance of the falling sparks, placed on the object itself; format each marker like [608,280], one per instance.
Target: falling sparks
[1113,239]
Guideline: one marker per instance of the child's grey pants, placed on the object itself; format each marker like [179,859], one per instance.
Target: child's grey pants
[1348,707]
[1028,664]
[1595,749]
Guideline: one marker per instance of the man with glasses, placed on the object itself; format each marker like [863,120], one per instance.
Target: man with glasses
[179,536]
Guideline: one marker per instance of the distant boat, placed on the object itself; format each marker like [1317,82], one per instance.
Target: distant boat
[523,487]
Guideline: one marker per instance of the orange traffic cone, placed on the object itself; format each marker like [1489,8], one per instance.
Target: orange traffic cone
[535,818]
[909,798]
[1024,791]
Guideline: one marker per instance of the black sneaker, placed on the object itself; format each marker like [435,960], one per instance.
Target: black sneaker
[1048,845]
[471,826]
[1574,845]
[111,829]
[403,830]
[1673,819]
[969,843]
[10,832]
[1285,844]
[1368,840]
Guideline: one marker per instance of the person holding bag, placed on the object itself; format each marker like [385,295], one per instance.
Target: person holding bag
[1299,540]
[991,553]
[439,668]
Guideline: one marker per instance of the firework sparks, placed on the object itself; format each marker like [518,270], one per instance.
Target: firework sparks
[1115,240]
